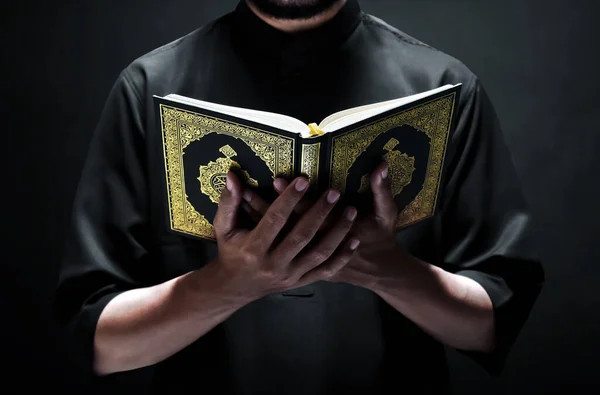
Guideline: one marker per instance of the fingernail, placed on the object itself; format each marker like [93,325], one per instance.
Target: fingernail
[247,196]
[354,244]
[228,183]
[384,173]
[301,184]
[351,214]
[333,196]
[279,184]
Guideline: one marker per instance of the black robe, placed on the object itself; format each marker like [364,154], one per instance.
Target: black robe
[343,339]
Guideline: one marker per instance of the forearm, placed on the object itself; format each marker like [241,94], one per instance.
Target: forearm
[454,309]
[144,326]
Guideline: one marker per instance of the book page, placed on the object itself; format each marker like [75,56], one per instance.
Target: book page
[331,123]
[354,115]
[275,120]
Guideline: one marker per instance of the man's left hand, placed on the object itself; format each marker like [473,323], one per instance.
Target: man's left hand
[454,309]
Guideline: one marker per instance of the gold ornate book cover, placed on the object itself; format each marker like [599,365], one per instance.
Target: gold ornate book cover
[201,145]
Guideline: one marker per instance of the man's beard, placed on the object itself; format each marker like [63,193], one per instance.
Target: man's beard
[293,9]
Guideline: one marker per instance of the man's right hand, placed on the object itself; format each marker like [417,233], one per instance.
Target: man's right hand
[254,263]
[144,326]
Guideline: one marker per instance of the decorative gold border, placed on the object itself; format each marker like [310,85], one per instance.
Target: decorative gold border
[310,162]
[432,118]
[180,128]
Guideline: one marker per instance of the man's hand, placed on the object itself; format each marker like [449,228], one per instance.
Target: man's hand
[379,253]
[453,309]
[264,260]
[380,256]
[144,326]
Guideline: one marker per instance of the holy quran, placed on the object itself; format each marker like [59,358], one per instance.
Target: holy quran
[202,141]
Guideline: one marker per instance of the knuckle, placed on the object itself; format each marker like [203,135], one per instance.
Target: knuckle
[299,238]
[322,210]
[389,223]
[320,215]
[276,279]
[287,282]
[329,272]
[288,197]
[249,256]
[320,256]
[269,276]
[275,219]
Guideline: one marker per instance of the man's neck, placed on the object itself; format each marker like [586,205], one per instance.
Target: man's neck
[298,25]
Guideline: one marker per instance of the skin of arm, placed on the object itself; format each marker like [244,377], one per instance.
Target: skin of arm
[454,309]
[144,326]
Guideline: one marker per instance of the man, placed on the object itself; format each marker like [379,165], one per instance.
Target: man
[268,311]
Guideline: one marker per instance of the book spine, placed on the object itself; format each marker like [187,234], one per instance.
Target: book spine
[326,165]
[313,155]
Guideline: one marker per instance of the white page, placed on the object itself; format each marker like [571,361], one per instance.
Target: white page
[331,123]
[275,120]
[354,115]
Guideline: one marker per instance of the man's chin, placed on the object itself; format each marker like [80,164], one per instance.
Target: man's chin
[293,9]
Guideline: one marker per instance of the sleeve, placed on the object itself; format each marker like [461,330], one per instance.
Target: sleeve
[486,226]
[105,249]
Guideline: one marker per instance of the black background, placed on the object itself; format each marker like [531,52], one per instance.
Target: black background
[538,60]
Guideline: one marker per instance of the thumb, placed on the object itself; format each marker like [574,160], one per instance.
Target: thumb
[231,197]
[385,209]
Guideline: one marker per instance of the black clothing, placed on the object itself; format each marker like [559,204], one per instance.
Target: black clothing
[343,339]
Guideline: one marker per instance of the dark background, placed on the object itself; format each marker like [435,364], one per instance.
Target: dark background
[538,60]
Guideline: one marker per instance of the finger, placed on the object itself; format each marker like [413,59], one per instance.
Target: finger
[328,244]
[253,215]
[278,213]
[331,268]
[257,203]
[259,206]
[306,227]
[385,209]
[280,184]
[226,217]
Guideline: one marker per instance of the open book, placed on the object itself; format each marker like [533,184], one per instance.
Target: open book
[202,141]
